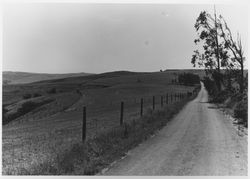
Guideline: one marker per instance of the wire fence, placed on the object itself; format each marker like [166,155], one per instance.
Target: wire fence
[32,140]
[96,119]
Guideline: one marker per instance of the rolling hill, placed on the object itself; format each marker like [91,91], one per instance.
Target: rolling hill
[10,77]
[43,114]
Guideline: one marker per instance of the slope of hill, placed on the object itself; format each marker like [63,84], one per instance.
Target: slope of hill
[10,77]
[13,93]
[43,114]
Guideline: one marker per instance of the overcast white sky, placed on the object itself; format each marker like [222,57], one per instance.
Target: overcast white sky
[95,38]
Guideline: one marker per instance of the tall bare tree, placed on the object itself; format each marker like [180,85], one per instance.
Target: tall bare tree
[214,55]
[235,46]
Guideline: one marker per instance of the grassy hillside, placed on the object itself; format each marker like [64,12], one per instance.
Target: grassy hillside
[93,91]
[55,122]
[10,77]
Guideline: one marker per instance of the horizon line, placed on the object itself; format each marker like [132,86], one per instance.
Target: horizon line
[102,72]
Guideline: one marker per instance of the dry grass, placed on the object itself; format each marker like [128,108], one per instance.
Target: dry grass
[60,156]
[42,138]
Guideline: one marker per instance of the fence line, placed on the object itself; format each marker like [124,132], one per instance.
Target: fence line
[121,117]
[141,106]
[84,124]
[169,99]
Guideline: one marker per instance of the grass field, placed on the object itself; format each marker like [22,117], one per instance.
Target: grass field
[10,77]
[43,133]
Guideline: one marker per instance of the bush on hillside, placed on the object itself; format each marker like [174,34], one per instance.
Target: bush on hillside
[241,112]
[52,91]
[36,95]
[4,111]
[25,108]
[27,96]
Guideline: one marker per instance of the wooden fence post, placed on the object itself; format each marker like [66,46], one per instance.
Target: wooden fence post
[153,102]
[161,101]
[121,117]
[84,124]
[141,106]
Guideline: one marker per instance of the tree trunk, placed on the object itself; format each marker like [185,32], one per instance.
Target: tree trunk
[241,77]
[217,53]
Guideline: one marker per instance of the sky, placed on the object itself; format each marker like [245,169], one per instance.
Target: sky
[96,38]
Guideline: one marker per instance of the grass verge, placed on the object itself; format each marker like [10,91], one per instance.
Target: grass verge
[235,103]
[98,153]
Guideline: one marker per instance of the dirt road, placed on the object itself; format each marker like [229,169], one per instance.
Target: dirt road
[200,140]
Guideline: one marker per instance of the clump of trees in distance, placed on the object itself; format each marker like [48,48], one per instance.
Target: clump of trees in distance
[222,56]
[188,79]
[52,91]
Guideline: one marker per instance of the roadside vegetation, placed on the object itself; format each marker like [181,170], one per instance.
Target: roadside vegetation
[223,59]
[230,98]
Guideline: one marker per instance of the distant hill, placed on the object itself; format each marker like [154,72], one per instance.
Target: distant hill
[10,77]
[200,72]
[84,79]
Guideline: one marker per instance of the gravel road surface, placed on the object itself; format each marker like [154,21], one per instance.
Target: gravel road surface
[200,140]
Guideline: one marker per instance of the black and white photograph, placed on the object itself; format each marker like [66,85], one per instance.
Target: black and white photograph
[144,88]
